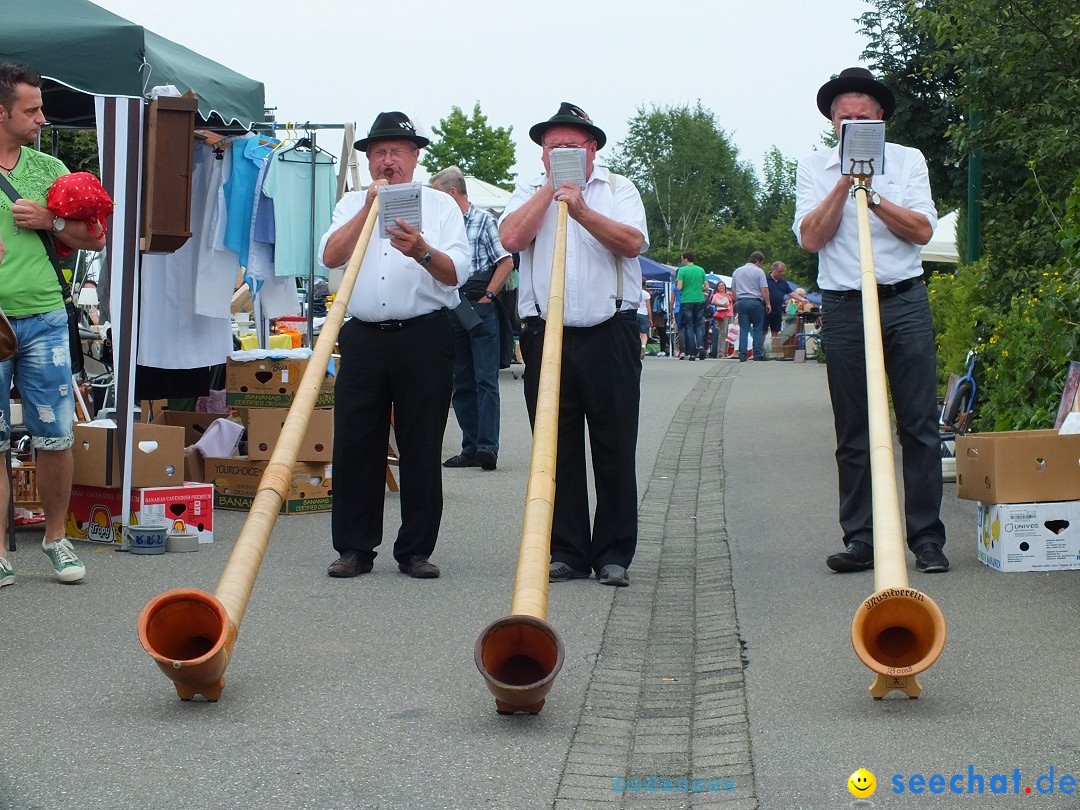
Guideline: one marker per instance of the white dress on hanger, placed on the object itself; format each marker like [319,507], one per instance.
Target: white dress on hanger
[171,333]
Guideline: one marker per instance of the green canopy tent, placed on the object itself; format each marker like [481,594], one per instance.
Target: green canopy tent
[85,51]
[98,70]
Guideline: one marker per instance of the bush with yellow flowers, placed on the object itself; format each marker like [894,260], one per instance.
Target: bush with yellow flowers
[1025,337]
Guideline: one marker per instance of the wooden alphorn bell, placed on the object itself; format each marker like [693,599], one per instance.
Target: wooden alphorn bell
[190,633]
[520,654]
[898,631]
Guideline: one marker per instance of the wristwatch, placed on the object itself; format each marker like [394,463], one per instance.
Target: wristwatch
[425,260]
[489,295]
[58,224]
[873,199]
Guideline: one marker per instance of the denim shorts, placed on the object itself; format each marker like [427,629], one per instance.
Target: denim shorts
[42,373]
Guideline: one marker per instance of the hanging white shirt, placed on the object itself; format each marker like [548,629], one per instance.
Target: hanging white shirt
[390,285]
[591,280]
[216,266]
[904,181]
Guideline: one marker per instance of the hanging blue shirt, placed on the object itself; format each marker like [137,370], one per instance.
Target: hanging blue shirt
[248,154]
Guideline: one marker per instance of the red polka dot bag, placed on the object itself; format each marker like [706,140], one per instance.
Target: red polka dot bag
[80,196]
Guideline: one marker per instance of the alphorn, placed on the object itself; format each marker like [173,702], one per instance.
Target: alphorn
[898,631]
[190,633]
[520,654]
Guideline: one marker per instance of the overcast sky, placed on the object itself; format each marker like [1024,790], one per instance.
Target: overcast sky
[757,65]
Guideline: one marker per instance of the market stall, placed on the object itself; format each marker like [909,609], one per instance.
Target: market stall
[98,70]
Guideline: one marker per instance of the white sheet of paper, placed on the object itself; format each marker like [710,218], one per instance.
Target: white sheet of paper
[862,145]
[567,166]
[401,201]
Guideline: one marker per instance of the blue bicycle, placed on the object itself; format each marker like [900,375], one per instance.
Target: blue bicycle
[959,409]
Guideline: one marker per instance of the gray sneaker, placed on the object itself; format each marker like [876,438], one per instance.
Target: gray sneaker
[66,565]
[615,574]
[7,573]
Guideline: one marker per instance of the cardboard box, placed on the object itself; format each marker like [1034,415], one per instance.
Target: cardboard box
[157,457]
[94,513]
[270,383]
[264,429]
[1020,466]
[194,424]
[1029,536]
[236,480]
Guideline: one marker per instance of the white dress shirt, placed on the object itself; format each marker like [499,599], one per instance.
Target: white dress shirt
[591,281]
[904,182]
[390,285]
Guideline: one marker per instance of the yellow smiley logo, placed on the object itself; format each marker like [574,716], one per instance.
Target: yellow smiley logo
[862,784]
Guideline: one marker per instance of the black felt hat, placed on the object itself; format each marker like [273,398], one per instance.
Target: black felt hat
[855,80]
[395,125]
[572,115]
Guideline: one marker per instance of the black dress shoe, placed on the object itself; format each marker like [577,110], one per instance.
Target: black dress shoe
[858,556]
[419,568]
[487,459]
[930,559]
[461,461]
[349,564]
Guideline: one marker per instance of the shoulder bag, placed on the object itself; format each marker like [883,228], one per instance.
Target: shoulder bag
[9,344]
[74,341]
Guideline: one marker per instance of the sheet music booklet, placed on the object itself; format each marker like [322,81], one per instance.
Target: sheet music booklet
[401,201]
[567,166]
[862,143]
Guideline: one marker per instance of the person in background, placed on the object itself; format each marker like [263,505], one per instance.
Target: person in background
[796,303]
[601,353]
[690,281]
[779,290]
[405,286]
[722,302]
[751,304]
[476,358]
[644,312]
[30,297]
[902,217]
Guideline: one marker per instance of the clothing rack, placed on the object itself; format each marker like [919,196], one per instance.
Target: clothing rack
[310,132]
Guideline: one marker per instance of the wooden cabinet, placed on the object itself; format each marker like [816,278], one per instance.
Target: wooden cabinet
[169,151]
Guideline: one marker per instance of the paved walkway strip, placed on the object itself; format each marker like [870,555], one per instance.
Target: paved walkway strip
[664,721]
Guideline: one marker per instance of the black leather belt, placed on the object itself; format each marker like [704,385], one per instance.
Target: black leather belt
[535,321]
[396,326]
[883,290]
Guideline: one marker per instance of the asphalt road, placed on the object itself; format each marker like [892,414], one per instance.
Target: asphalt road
[363,693]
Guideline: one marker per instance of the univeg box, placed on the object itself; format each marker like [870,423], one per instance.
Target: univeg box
[1029,536]
[94,513]
[270,383]
[157,456]
[1022,466]
[236,480]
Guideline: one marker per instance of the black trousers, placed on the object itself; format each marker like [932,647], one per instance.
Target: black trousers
[600,385]
[409,370]
[910,363]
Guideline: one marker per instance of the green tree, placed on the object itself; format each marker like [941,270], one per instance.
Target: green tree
[777,197]
[688,173]
[1016,62]
[900,52]
[472,145]
[76,148]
